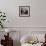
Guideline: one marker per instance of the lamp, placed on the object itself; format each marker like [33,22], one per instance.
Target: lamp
[7,31]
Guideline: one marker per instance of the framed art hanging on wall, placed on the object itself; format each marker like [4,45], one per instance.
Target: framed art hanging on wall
[24,11]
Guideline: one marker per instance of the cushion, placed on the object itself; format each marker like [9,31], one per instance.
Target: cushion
[26,39]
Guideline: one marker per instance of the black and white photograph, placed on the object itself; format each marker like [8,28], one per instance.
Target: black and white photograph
[24,11]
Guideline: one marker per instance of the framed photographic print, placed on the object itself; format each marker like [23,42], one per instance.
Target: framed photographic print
[24,11]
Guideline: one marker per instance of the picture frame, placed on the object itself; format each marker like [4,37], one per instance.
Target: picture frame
[24,11]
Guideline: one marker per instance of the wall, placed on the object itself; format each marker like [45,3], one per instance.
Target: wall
[37,13]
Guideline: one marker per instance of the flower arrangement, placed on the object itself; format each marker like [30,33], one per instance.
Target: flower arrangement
[2,19]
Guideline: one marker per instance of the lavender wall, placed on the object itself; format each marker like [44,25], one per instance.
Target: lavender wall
[37,13]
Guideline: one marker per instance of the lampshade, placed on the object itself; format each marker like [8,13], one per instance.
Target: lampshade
[7,30]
